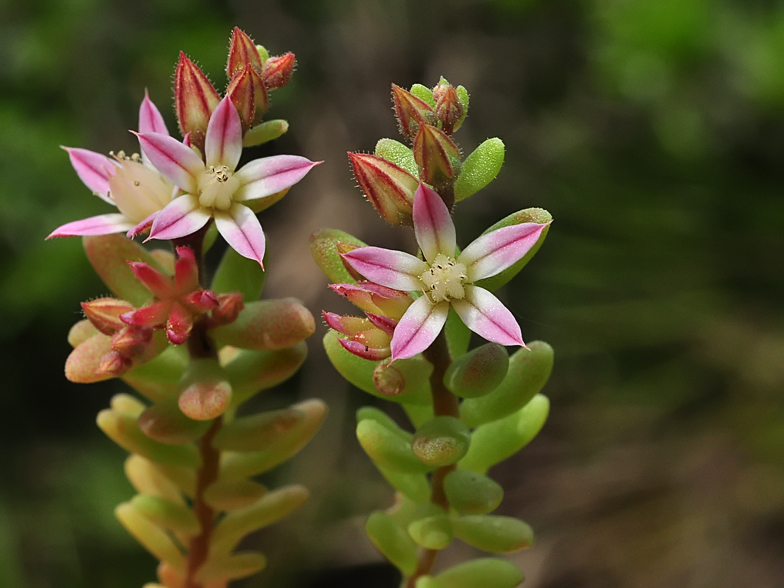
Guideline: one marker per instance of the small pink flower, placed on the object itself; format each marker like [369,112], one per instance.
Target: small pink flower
[131,184]
[214,190]
[446,279]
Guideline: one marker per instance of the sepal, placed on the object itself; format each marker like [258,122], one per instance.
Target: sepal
[389,187]
[195,98]
[437,157]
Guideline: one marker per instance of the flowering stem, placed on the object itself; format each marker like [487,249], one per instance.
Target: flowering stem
[444,404]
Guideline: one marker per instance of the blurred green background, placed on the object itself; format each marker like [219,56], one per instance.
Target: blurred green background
[653,131]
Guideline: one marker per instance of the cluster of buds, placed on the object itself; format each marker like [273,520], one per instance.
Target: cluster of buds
[427,118]
[252,74]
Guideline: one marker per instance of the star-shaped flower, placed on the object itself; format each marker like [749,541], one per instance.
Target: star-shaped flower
[131,184]
[213,189]
[446,279]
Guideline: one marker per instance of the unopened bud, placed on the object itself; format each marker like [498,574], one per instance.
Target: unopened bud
[364,351]
[389,187]
[131,341]
[448,109]
[179,324]
[437,157]
[242,52]
[388,380]
[241,93]
[114,363]
[201,301]
[411,112]
[277,71]
[228,309]
[194,100]
[104,313]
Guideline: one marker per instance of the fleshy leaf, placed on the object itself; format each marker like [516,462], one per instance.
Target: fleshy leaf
[323,248]
[470,493]
[259,431]
[392,541]
[267,325]
[477,573]
[528,372]
[233,494]
[151,536]
[205,391]
[479,372]
[252,371]
[432,532]
[389,449]
[218,570]
[165,422]
[496,441]
[480,168]
[166,514]
[237,273]
[397,153]
[265,132]
[441,441]
[496,534]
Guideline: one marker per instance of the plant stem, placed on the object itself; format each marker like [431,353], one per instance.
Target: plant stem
[444,404]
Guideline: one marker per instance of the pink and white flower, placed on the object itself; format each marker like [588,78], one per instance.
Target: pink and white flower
[446,279]
[213,189]
[131,184]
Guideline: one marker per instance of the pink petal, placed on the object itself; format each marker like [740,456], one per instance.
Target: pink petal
[150,316]
[150,119]
[181,217]
[104,224]
[384,323]
[394,269]
[269,175]
[186,270]
[223,143]
[433,226]
[242,231]
[145,225]
[363,351]
[418,328]
[178,163]
[93,169]
[179,325]
[484,314]
[159,284]
[494,252]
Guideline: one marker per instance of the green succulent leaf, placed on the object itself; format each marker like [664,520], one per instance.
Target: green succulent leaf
[265,132]
[528,372]
[231,567]
[236,273]
[494,442]
[249,372]
[166,514]
[233,494]
[432,532]
[323,248]
[441,441]
[398,153]
[479,372]
[389,449]
[477,573]
[414,486]
[382,418]
[424,93]
[392,541]
[480,168]
[266,325]
[496,534]
[470,493]
[154,539]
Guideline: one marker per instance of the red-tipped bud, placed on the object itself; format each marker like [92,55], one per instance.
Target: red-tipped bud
[277,71]
[159,284]
[384,323]
[342,249]
[388,380]
[186,270]
[151,316]
[241,92]
[104,313]
[179,324]
[389,187]
[242,52]
[228,309]
[375,299]
[411,112]
[113,363]
[348,325]
[448,109]
[437,156]
[194,100]
[364,351]
[131,342]
[201,301]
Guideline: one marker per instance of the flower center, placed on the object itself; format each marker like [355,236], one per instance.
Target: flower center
[444,280]
[216,187]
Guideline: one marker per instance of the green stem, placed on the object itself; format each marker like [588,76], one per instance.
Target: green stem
[444,404]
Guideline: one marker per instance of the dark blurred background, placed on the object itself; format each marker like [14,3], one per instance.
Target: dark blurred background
[653,131]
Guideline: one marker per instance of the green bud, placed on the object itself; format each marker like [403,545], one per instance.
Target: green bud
[324,249]
[169,515]
[397,153]
[151,536]
[493,533]
[265,132]
[479,372]
[477,573]
[243,464]
[480,168]
[249,372]
[441,441]
[124,430]
[529,215]
[458,336]
[494,442]
[237,273]
[231,567]
[233,494]
[392,541]
[432,532]
[470,493]
[528,372]
[388,449]
[109,256]
[271,508]
[266,325]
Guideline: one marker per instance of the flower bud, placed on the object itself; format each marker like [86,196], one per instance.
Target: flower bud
[104,313]
[389,187]
[242,52]
[277,71]
[448,109]
[388,380]
[114,364]
[194,100]
[241,91]
[375,298]
[131,341]
[436,156]
[228,309]
[411,112]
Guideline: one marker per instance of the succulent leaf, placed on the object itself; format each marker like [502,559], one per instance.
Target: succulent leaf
[392,541]
[480,168]
[496,534]
[470,493]
[389,449]
[479,372]
[238,274]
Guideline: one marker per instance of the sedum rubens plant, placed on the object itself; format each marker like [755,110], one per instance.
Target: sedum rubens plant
[469,409]
[195,350]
